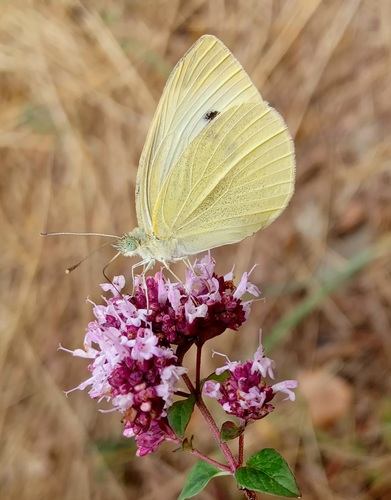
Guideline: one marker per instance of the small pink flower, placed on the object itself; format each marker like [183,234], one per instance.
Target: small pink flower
[197,310]
[286,387]
[244,393]
[115,287]
[212,389]
[131,370]
[144,345]
[262,364]
[148,442]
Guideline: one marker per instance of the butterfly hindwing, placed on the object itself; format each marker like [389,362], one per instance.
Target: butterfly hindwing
[234,178]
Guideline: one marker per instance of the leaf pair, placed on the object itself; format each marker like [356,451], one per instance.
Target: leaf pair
[265,471]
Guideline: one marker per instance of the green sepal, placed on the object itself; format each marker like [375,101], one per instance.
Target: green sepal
[186,445]
[217,378]
[229,431]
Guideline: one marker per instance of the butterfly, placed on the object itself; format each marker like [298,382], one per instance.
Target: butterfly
[218,163]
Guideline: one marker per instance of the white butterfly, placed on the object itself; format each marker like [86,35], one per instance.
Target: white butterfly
[218,163]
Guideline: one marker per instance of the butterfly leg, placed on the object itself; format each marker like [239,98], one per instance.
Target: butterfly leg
[167,266]
[188,264]
[147,265]
[140,264]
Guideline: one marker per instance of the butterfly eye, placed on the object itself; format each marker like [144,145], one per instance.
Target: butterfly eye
[127,245]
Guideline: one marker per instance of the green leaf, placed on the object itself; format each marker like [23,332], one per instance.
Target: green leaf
[218,378]
[268,472]
[179,415]
[230,431]
[199,476]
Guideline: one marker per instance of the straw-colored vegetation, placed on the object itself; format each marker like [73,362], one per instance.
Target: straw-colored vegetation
[79,82]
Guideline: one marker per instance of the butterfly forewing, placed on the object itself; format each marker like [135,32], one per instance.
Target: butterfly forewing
[205,83]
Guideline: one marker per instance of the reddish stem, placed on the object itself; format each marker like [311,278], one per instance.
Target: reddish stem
[212,425]
[210,460]
[241,448]
[198,369]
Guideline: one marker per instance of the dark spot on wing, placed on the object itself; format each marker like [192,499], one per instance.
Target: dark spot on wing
[211,115]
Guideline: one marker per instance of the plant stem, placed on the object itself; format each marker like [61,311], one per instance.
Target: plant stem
[198,369]
[241,448]
[182,393]
[210,460]
[212,425]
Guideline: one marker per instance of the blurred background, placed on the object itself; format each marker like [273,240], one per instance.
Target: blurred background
[79,83]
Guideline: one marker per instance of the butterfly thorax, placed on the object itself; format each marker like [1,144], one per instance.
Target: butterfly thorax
[147,246]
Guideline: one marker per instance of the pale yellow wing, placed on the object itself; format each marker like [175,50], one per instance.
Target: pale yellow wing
[235,178]
[208,79]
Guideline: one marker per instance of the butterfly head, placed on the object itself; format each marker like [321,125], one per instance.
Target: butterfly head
[129,244]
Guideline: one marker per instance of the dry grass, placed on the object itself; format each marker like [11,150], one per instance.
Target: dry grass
[79,84]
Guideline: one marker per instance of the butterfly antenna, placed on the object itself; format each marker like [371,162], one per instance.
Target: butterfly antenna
[72,268]
[81,234]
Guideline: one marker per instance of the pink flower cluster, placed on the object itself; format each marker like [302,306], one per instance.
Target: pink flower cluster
[199,309]
[130,369]
[133,365]
[244,393]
